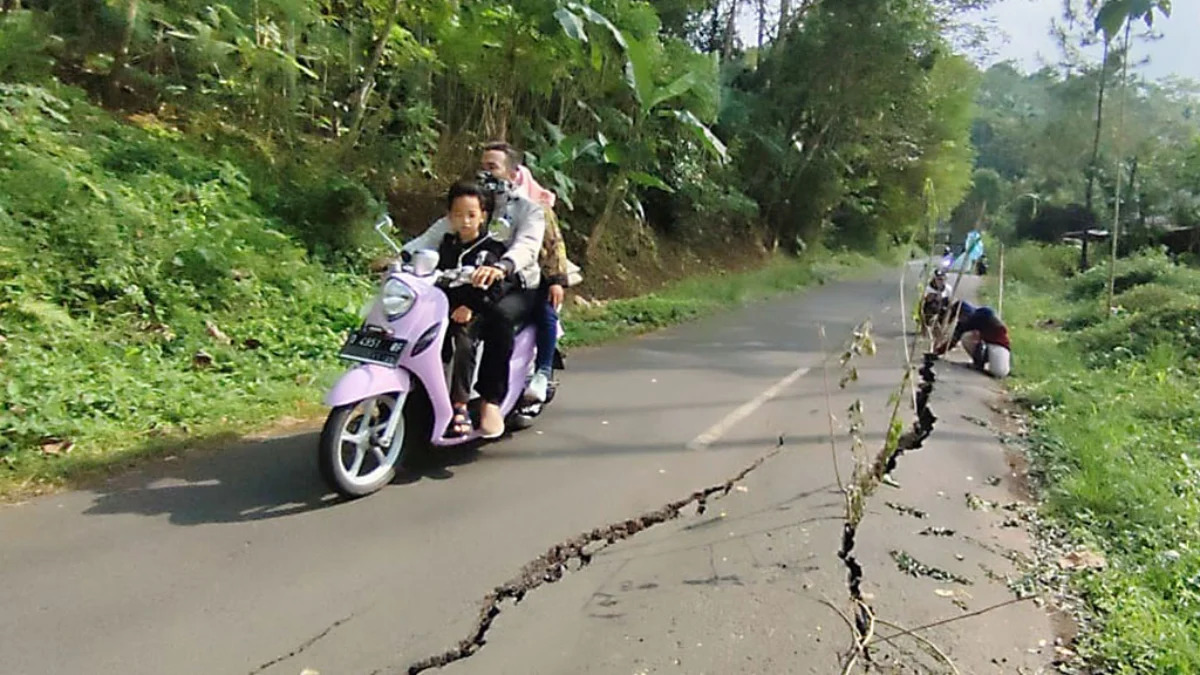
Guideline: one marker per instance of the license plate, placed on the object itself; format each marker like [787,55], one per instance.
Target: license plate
[371,347]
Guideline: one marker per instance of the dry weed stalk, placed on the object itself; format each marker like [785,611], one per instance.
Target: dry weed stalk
[869,472]
[863,624]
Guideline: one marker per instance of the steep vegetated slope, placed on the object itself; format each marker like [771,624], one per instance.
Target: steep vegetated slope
[144,290]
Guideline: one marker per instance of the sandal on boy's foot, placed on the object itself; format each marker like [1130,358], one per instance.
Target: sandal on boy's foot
[460,425]
[491,422]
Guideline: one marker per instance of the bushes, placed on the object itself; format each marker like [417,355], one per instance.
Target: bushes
[1143,268]
[1157,300]
[1155,294]
[1039,264]
[330,213]
[118,247]
[1114,402]
[1134,336]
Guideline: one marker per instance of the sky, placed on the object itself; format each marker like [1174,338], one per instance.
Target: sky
[1023,36]
[1026,23]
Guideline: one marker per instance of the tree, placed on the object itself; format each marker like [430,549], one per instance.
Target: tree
[1112,17]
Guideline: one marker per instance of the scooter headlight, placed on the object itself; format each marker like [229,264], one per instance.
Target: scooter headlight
[397,298]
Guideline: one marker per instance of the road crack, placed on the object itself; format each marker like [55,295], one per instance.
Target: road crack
[885,463]
[303,646]
[551,566]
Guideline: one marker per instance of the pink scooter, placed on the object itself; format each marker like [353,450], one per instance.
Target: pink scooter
[394,406]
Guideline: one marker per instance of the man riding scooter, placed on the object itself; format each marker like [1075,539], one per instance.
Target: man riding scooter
[505,161]
[517,306]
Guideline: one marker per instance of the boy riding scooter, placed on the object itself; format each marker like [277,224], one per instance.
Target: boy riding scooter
[468,243]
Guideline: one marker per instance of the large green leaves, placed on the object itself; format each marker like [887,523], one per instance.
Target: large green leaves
[646,180]
[702,132]
[642,57]
[600,20]
[571,24]
[1113,14]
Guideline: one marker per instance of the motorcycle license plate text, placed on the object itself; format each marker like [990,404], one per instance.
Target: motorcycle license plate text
[371,347]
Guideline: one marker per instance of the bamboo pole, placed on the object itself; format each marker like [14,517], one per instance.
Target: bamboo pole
[1000,301]
[1112,262]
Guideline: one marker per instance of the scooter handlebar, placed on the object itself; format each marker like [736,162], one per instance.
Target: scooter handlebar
[453,278]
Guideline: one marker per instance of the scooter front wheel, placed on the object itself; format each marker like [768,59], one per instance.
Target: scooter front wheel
[353,462]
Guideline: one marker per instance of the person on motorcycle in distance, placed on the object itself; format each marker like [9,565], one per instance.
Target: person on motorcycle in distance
[499,320]
[468,243]
[936,298]
[939,290]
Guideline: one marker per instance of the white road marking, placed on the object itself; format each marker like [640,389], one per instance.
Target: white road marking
[716,431]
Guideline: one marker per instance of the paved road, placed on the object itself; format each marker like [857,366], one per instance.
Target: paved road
[237,562]
[745,588]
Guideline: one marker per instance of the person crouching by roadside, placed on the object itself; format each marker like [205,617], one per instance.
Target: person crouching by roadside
[984,337]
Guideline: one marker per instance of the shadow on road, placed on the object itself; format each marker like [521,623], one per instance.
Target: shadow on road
[245,482]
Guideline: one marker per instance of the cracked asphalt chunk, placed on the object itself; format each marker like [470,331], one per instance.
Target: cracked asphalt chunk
[907,510]
[977,503]
[910,565]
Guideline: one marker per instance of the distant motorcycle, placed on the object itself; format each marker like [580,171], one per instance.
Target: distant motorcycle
[394,406]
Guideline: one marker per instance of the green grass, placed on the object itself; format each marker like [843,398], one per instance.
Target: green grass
[121,248]
[1116,409]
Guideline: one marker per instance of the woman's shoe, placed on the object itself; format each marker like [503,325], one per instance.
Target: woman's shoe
[536,391]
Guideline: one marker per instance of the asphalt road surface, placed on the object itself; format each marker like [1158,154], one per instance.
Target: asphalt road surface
[238,561]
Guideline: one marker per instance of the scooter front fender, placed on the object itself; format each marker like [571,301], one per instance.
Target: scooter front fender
[366,381]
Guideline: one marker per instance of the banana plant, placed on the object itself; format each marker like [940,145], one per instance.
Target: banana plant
[639,74]
[641,66]
[560,154]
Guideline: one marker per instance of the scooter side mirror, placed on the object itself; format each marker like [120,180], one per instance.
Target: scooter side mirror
[385,223]
[425,262]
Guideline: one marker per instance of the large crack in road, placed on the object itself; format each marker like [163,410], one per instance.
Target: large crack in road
[552,565]
[885,463]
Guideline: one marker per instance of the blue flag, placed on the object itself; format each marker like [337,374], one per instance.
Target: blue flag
[972,251]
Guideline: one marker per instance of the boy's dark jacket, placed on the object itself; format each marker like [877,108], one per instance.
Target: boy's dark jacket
[483,250]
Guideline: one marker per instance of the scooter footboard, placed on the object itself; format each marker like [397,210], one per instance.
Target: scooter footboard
[366,381]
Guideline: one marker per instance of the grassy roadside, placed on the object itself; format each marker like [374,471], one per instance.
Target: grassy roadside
[1115,403]
[217,406]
